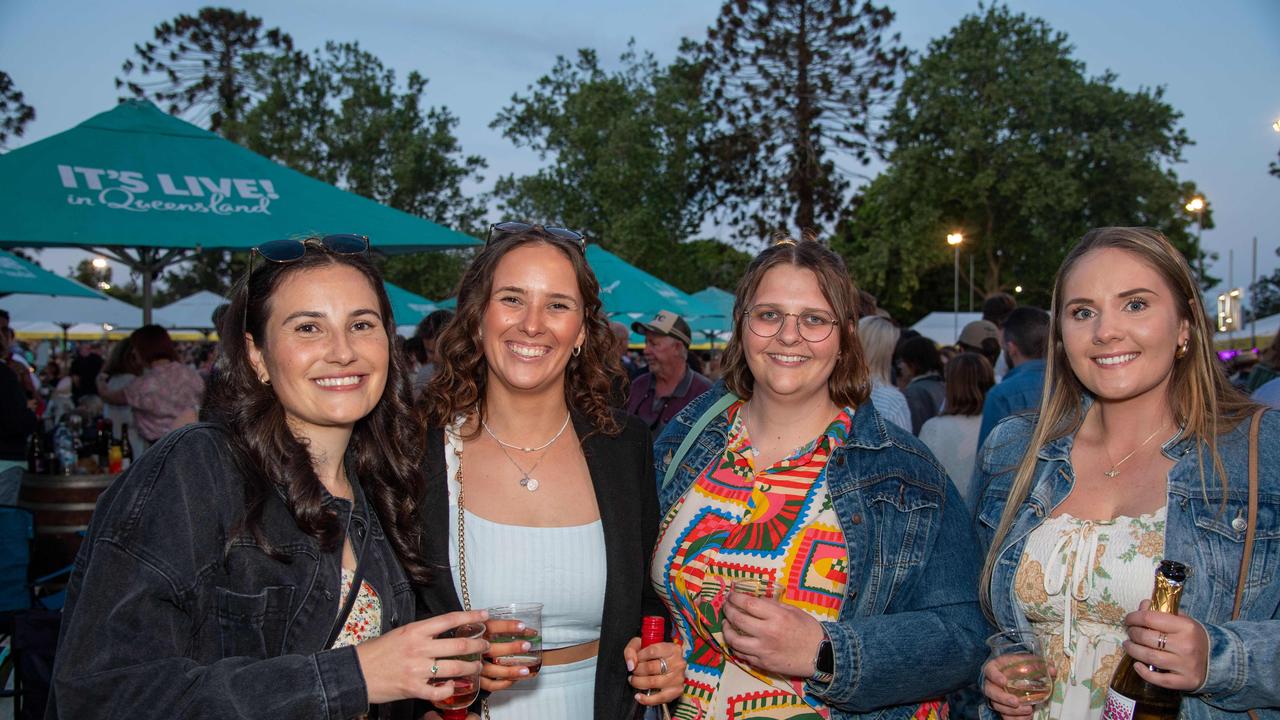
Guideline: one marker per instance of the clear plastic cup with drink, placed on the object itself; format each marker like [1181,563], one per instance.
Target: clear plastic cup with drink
[1020,657]
[758,587]
[513,623]
[466,687]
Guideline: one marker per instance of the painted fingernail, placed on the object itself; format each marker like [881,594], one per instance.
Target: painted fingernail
[631,666]
[526,646]
[519,626]
[524,671]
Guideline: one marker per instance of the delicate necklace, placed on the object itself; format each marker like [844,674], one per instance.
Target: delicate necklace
[1115,469]
[527,481]
[543,446]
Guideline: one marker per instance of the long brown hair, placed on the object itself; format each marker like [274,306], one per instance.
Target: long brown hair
[1203,401]
[849,384]
[385,444]
[968,376]
[458,387]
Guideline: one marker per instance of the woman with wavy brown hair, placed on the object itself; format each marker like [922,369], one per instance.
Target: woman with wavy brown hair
[538,491]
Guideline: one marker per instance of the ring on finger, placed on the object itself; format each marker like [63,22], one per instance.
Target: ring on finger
[1160,641]
[662,663]
[435,668]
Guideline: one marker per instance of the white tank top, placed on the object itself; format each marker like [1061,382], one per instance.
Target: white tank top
[561,567]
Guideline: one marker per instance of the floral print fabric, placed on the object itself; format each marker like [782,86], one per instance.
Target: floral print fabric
[1075,583]
[365,620]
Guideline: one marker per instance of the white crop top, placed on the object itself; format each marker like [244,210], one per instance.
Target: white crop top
[561,567]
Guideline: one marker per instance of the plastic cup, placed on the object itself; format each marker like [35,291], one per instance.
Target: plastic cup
[503,628]
[466,687]
[1020,658]
[758,587]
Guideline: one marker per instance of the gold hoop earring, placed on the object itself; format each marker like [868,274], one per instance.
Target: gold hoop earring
[577,350]
[1181,352]
[264,380]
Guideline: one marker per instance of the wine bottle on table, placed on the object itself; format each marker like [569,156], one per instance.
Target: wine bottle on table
[1129,697]
[652,631]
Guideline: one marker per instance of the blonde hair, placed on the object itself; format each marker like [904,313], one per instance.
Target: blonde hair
[879,338]
[1203,402]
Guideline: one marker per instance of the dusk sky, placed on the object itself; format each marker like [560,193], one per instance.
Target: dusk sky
[1219,63]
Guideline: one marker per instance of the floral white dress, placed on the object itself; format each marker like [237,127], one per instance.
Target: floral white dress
[1076,581]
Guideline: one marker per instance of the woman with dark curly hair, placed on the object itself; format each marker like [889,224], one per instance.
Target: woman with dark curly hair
[260,564]
[549,492]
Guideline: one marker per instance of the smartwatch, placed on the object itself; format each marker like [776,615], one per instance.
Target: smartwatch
[824,662]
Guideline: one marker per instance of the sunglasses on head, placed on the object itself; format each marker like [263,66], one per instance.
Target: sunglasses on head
[288,250]
[503,229]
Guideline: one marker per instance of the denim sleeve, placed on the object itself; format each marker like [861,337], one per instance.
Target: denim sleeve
[131,650]
[930,640]
[1244,665]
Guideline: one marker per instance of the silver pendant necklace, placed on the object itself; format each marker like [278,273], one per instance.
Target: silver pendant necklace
[527,481]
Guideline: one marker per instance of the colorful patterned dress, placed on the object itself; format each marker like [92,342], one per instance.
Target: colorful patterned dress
[1076,581]
[736,522]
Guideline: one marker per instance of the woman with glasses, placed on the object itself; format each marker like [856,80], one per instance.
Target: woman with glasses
[816,559]
[261,564]
[1139,454]
[538,491]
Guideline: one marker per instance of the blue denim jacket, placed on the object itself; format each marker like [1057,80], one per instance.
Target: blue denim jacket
[910,628]
[1244,655]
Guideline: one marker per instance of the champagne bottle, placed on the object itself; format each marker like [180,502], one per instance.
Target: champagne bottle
[1129,697]
[652,631]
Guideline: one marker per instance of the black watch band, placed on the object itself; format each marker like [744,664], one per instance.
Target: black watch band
[824,662]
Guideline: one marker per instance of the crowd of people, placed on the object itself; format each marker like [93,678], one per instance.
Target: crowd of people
[832,515]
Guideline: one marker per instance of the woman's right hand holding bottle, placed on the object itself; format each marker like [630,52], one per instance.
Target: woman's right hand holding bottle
[398,665]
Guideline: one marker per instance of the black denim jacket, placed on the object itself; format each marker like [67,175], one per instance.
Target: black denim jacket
[161,621]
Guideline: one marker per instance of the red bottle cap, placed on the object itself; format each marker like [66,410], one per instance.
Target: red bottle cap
[652,630]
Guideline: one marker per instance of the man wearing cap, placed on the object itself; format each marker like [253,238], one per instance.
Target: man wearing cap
[982,337]
[670,384]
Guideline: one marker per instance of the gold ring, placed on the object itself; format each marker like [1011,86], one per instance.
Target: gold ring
[1161,640]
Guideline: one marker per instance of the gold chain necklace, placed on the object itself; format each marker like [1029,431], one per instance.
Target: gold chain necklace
[1115,469]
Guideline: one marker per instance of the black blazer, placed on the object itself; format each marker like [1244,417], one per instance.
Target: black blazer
[621,470]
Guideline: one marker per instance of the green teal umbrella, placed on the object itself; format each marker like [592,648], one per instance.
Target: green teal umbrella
[408,308]
[715,328]
[19,276]
[627,290]
[147,188]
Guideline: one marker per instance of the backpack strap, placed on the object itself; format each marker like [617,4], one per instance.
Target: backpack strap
[705,419]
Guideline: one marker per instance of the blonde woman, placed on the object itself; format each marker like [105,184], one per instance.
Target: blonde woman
[879,338]
[1139,453]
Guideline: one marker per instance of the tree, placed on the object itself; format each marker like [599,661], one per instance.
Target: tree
[625,160]
[338,115]
[797,87]
[100,279]
[1264,294]
[196,65]
[14,112]
[999,134]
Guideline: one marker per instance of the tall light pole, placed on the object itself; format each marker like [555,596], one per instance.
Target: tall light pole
[1196,205]
[954,240]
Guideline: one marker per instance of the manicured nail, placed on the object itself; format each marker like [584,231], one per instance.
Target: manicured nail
[631,666]
[519,626]
[524,671]
[526,646]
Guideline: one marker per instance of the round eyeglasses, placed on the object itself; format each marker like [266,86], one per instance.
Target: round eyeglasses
[766,321]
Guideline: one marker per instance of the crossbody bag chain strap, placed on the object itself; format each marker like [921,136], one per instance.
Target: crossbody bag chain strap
[462,557]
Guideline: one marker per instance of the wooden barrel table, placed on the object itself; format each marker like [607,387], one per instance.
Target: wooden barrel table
[62,506]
